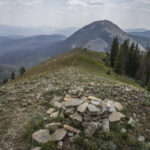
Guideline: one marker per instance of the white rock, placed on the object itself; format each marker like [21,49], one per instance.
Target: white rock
[76,116]
[50,111]
[41,136]
[73,102]
[141,138]
[123,130]
[116,116]
[58,135]
[82,108]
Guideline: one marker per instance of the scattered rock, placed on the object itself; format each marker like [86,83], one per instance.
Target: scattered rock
[105,123]
[82,108]
[60,144]
[123,130]
[67,127]
[76,116]
[73,102]
[118,106]
[41,136]
[58,105]
[92,108]
[115,116]
[36,148]
[50,111]
[132,122]
[96,103]
[141,138]
[58,135]
[54,115]
[91,129]
[56,99]
[94,98]
[69,110]
[53,126]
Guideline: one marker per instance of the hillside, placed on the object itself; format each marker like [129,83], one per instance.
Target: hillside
[97,36]
[43,105]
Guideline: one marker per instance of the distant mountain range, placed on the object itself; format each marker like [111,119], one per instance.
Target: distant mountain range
[141,34]
[136,30]
[6,30]
[96,36]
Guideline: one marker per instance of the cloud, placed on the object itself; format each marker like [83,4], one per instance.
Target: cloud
[20,2]
[85,2]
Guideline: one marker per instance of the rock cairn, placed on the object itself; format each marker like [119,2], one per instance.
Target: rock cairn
[87,114]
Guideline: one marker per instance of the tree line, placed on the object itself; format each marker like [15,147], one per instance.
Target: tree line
[22,70]
[127,59]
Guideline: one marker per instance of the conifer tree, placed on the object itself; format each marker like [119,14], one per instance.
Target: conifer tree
[13,76]
[5,81]
[114,52]
[22,71]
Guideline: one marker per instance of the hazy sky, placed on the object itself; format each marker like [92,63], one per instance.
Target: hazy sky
[64,13]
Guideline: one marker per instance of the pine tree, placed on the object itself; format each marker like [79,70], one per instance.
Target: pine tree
[5,81]
[119,63]
[114,52]
[13,76]
[22,71]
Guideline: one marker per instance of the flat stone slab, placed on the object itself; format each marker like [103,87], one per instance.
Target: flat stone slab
[58,135]
[58,105]
[116,116]
[94,98]
[56,99]
[82,108]
[73,102]
[96,103]
[53,126]
[76,116]
[41,136]
[54,115]
[50,111]
[92,108]
[69,128]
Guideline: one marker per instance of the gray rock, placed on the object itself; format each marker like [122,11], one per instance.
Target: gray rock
[141,138]
[60,144]
[36,148]
[92,108]
[58,135]
[56,99]
[82,108]
[105,123]
[53,126]
[92,128]
[58,105]
[69,110]
[50,111]
[41,136]
[132,122]
[96,103]
[123,130]
[116,116]
[54,115]
[73,102]
[76,116]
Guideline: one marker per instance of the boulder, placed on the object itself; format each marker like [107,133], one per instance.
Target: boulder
[69,128]
[116,116]
[82,108]
[58,135]
[50,111]
[73,102]
[41,136]
[76,116]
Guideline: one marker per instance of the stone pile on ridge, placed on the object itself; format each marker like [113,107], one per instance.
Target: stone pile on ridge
[88,112]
